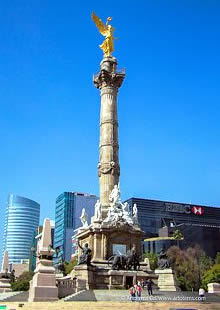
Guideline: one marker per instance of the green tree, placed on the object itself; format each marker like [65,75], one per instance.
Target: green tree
[152,259]
[189,266]
[70,265]
[22,282]
[177,235]
[211,276]
[217,258]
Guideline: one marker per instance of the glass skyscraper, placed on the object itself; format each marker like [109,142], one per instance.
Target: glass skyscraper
[69,207]
[21,220]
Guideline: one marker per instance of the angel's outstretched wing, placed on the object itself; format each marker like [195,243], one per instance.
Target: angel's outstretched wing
[99,24]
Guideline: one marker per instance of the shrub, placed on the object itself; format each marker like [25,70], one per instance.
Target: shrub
[217,258]
[20,286]
[152,259]
[189,265]
[70,265]
[211,276]
[22,282]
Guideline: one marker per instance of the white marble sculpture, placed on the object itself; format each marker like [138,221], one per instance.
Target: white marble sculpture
[135,214]
[84,218]
[98,211]
[118,211]
[126,213]
[135,211]
[115,195]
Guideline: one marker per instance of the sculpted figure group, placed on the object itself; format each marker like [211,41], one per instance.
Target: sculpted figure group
[118,211]
[125,262]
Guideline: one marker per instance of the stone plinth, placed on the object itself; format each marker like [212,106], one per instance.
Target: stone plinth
[102,277]
[5,285]
[214,288]
[166,280]
[85,277]
[43,285]
[126,278]
[102,237]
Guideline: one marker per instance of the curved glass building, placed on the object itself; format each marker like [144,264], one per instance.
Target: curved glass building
[21,220]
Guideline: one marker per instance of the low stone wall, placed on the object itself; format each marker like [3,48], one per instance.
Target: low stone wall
[214,288]
[66,286]
[92,277]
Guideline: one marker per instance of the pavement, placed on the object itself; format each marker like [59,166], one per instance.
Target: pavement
[114,300]
[106,305]
[123,296]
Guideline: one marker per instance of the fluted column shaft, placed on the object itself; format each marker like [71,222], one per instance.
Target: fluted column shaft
[108,81]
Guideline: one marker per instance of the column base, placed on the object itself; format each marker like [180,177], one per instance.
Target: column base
[166,280]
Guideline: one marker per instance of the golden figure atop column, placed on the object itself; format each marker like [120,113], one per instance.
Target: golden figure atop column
[107,31]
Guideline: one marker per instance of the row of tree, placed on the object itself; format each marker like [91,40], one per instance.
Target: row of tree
[193,268]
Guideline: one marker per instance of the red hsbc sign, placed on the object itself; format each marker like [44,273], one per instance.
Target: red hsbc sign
[181,208]
[198,210]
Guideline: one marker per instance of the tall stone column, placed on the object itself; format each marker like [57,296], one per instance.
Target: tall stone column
[108,80]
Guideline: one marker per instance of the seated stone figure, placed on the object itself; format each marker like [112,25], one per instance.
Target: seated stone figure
[86,256]
[163,261]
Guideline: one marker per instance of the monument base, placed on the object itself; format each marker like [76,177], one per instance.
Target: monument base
[103,238]
[102,277]
[107,239]
[214,288]
[5,285]
[43,287]
[166,280]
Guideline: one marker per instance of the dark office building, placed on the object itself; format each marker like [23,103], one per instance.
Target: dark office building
[198,224]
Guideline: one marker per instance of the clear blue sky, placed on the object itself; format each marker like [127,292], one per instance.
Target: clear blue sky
[168,105]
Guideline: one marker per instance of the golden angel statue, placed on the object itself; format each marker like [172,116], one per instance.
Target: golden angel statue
[107,31]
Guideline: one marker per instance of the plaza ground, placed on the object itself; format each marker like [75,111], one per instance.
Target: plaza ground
[112,300]
[103,305]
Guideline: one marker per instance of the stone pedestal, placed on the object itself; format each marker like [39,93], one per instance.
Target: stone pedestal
[119,279]
[43,285]
[102,277]
[166,280]
[214,288]
[101,239]
[85,277]
[5,285]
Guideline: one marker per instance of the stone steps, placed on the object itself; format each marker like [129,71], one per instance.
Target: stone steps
[123,296]
[9,295]
[75,295]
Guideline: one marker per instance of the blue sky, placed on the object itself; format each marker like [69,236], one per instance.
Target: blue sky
[168,105]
